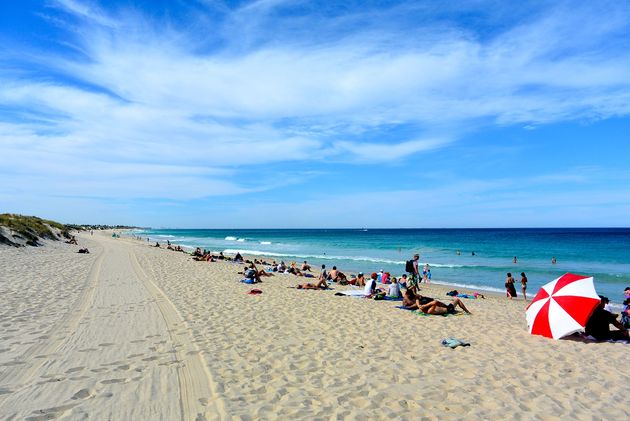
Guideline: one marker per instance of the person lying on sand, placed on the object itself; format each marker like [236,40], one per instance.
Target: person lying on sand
[252,271]
[84,251]
[438,307]
[322,284]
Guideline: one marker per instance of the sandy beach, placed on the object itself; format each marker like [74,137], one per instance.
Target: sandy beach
[130,331]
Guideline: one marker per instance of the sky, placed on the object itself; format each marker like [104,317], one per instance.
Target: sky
[316,114]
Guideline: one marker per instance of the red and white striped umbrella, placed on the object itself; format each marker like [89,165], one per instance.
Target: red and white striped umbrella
[562,307]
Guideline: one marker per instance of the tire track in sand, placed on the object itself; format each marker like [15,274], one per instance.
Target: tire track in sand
[17,374]
[199,396]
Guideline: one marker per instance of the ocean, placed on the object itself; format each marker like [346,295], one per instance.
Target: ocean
[603,253]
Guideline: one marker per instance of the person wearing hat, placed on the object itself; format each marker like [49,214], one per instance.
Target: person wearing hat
[598,326]
[370,285]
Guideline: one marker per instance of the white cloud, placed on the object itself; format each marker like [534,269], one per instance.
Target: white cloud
[165,100]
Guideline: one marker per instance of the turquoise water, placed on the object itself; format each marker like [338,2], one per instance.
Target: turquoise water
[600,252]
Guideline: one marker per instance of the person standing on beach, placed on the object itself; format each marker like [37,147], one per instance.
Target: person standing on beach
[413,271]
[509,286]
[524,285]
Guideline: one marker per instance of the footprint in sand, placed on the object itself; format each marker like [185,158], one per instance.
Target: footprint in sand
[150,358]
[114,381]
[107,344]
[50,413]
[123,367]
[83,394]
[74,369]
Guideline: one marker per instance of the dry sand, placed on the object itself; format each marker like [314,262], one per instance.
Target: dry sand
[131,332]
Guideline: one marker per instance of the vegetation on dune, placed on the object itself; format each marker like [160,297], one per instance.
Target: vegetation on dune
[29,229]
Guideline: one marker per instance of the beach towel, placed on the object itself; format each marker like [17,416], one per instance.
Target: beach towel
[388,298]
[405,308]
[352,293]
[255,292]
[454,342]
[248,281]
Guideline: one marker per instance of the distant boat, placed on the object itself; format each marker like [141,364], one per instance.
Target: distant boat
[364,229]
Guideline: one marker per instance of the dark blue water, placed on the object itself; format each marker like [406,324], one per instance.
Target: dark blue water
[600,252]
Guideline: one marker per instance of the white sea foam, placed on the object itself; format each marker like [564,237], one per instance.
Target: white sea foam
[240,240]
[265,242]
[230,238]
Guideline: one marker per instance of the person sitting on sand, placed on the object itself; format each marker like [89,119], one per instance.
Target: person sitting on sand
[157,244]
[342,279]
[625,313]
[238,257]
[438,307]
[306,267]
[332,275]
[410,299]
[385,278]
[598,326]
[360,280]
[393,291]
[403,281]
[72,240]
[84,251]
[323,274]
[370,285]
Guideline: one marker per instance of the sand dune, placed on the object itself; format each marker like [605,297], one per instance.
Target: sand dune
[134,332]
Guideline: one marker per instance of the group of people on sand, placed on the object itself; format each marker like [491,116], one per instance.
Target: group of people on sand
[510,289]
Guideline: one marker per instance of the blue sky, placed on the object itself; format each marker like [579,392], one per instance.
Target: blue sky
[316,114]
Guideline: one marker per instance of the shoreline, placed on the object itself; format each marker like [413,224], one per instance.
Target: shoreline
[486,275]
